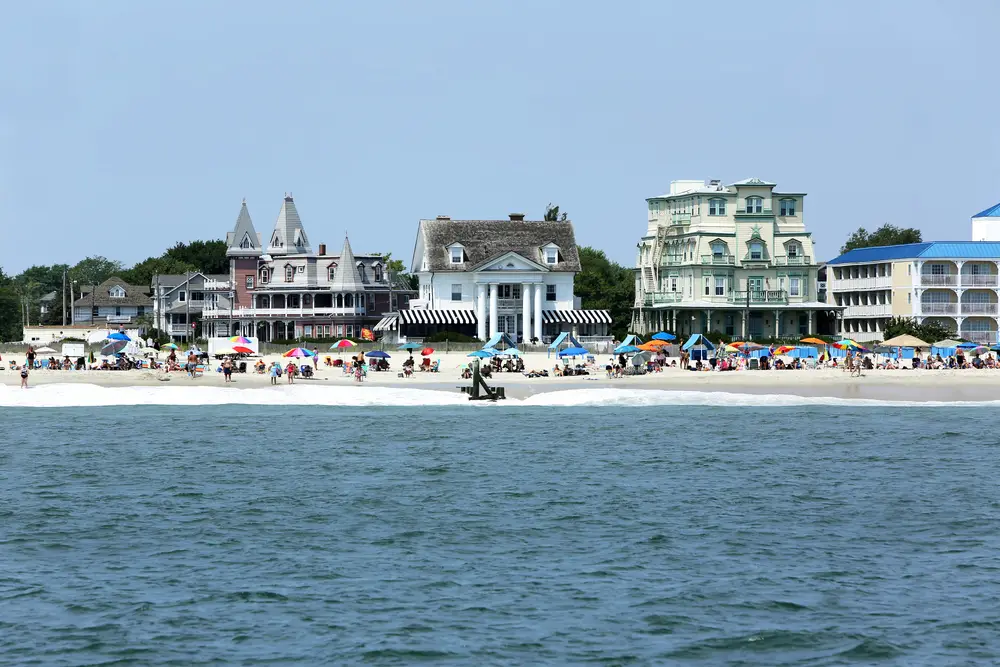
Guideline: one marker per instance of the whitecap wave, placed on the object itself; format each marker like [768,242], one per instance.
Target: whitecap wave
[90,395]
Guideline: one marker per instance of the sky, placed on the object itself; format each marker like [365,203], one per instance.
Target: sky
[128,126]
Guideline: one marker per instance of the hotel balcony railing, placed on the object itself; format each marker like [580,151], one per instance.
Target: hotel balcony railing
[778,296]
[662,298]
[673,260]
[868,310]
[979,309]
[763,259]
[763,211]
[718,259]
[981,337]
[797,260]
[217,285]
[939,308]
[979,280]
[851,284]
[680,218]
[939,279]
[291,313]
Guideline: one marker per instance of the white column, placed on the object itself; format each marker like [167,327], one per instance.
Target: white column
[525,312]
[538,311]
[481,312]
[493,308]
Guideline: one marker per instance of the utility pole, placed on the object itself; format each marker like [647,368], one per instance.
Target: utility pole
[64,297]
[187,301]
[72,301]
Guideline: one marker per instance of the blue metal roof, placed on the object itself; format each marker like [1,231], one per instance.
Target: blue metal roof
[992,212]
[935,250]
[881,253]
[963,250]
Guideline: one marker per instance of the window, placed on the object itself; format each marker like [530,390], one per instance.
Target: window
[197,296]
[331,271]
[361,271]
[300,269]
[718,249]
[95,312]
[307,330]
[550,292]
[794,284]
[246,243]
[708,286]
[551,255]
[456,292]
[289,274]
[781,283]
[249,282]
[755,205]
[456,255]
[793,250]
[673,283]
[377,270]
[140,311]
[118,311]
[756,251]
[116,292]
[787,207]
[182,296]
[263,276]
[720,286]
[716,206]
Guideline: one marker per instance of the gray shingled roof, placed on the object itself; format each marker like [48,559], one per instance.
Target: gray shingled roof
[288,228]
[244,227]
[484,240]
[346,279]
[135,295]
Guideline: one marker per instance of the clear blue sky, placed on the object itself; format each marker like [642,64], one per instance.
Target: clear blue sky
[127,126]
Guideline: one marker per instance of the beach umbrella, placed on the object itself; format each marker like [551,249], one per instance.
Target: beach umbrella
[512,351]
[169,346]
[784,349]
[905,340]
[979,349]
[573,352]
[118,335]
[241,340]
[45,350]
[241,349]
[114,347]
[967,345]
[427,351]
[378,354]
[410,346]
[846,344]
[480,354]
[298,352]
[995,348]
[731,348]
[627,349]
[640,359]
[342,344]
[747,346]
[813,341]
[664,336]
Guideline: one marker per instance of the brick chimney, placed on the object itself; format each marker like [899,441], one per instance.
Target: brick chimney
[517,217]
[322,249]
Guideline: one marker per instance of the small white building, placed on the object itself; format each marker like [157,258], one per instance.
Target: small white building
[483,277]
[986,224]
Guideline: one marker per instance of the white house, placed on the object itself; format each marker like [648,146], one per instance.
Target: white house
[483,277]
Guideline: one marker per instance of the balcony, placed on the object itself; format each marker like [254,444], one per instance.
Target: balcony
[979,308]
[673,260]
[281,313]
[761,260]
[981,337]
[217,285]
[117,319]
[939,308]
[178,329]
[763,211]
[796,260]
[509,304]
[661,298]
[869,310]
[719,260]
[777,297]
[939,280]
[680,218]
[979,280]
[855,284]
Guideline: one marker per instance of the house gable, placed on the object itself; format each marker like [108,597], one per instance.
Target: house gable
[509,261]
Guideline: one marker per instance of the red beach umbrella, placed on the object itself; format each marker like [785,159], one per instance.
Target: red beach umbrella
[427,351]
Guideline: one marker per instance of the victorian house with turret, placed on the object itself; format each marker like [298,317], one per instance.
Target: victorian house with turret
[279,288]
[734,259]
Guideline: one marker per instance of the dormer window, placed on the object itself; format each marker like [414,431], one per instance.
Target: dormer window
[755,205]
[289,273]
[551,255]
[457,254]
[716,206]
[116,292]
[756,251]
[718,249]
[787,207]
[331,271]
[276,242]
[377,270]
[794,250]
[263,276]
[361,271]
[246,242]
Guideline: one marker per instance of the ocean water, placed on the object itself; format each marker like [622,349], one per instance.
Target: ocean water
[575,528]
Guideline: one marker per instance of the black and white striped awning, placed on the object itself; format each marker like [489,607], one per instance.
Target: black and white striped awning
[387,323]
[435,316]
[576,316]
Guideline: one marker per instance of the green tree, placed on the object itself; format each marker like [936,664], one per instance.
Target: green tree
[95,270]
[143,272]
[396,268]
[204,256]
[885,235]
[552,214]
[38,281]
[929,332]
[606,285]
[10,310]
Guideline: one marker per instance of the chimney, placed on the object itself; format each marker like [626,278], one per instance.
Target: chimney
[322,249]
[443,217]
[517,217]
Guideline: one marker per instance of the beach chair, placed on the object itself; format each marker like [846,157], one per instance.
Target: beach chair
[753,364]
[436,366]
[200,370]
[425,365]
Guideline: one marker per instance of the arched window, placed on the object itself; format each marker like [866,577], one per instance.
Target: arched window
[289,273]
[348,301]
[331,271]
[264,276]
[377,270]
[716,206]
[361,271]
[755,205]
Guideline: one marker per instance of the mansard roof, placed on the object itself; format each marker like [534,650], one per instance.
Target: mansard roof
[288,237]
[242,231]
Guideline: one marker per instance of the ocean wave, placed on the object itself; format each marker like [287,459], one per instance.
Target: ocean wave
[89,395]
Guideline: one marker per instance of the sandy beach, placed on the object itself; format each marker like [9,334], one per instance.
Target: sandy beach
[887,385]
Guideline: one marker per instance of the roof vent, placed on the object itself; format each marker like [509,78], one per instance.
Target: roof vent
[517,217]
[443,217]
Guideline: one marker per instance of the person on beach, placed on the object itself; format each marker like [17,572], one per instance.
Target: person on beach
[275,372]
[31,356]
[227,369]
[192,361]
[24,377]
[290,370]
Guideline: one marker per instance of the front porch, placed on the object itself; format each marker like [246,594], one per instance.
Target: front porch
[753,323]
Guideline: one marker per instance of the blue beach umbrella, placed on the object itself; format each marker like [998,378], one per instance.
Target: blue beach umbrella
[627,349]
[512,351]
[411,346]
[118,336]
[573,352]
[664,336]
[378,354]
[481,354]
[967,346]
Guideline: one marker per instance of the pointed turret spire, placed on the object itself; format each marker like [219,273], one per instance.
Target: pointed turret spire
[288,237]
[243,240]
[346,279]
